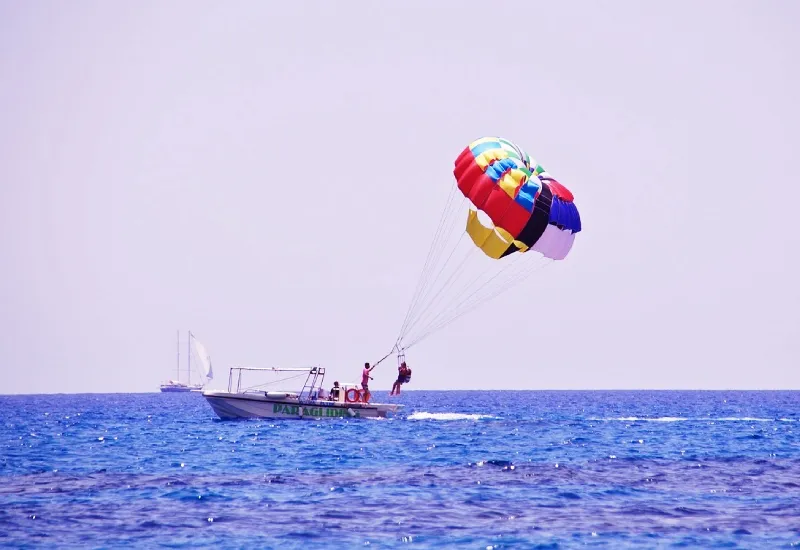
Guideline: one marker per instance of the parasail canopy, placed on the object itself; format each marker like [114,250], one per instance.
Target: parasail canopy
[528,208]
[514,207]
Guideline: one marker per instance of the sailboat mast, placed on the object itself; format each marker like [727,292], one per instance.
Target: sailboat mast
[178,367]
[189,358]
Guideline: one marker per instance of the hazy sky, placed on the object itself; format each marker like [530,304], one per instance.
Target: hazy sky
[270,175]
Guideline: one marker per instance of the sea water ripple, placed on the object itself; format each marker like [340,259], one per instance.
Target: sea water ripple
[456,469]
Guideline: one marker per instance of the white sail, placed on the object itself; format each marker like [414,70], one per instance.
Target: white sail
[205,359]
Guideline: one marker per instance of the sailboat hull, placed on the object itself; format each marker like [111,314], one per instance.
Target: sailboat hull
[180,388]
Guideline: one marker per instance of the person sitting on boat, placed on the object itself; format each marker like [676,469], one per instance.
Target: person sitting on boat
[321,394]
[365,378]
[403,377]
[334,393]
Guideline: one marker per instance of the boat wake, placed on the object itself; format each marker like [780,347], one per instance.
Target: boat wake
[641,419]
[680,419]
[447,416]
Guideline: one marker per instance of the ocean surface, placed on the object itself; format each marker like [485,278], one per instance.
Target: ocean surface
[457,469]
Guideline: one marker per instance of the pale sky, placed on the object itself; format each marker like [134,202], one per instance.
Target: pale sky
[270,176]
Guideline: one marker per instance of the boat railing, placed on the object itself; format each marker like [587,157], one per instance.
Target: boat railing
[312,384]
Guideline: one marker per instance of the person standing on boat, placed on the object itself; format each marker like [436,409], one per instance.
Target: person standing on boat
[365,378]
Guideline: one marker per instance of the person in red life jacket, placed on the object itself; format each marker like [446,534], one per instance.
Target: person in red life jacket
[365,378]
[403,376]
[406,373]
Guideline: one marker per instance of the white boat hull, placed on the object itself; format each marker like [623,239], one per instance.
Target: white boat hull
[255,405]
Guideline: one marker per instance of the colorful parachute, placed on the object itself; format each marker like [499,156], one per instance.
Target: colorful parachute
[529,209]
[516,206]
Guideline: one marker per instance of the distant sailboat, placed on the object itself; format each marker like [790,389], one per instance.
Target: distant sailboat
[205,363]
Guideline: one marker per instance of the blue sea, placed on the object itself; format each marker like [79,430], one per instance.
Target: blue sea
[457,469]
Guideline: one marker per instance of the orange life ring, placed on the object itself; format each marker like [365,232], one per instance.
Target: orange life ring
[356,398]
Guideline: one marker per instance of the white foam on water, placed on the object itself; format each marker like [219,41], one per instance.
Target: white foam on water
[447,416]
[644,419]
[676,419]
[744,419]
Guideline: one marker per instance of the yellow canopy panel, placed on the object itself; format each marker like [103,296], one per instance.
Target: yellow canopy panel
[493,241]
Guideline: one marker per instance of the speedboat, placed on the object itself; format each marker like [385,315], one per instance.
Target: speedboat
[310,402]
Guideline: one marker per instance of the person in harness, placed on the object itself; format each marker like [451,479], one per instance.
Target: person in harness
[403,377]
